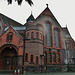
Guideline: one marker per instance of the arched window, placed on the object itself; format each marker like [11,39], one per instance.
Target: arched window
[37,59]
[48,29]
[45,57]
[58,57]
[28,35]
[32,34]
[57,38]
[26,56]
[54,57]
[40,36]
[36,35]
[31,60]
[9,36]
[50,59]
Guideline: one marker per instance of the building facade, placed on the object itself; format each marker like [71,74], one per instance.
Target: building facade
[40,43]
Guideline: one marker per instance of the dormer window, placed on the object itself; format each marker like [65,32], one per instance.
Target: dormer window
[9,36]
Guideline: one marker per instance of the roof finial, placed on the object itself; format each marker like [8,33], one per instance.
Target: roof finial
[47,5]
[66,25]
[31,12]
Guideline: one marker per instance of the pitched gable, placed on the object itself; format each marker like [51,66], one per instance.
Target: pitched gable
[47,12]
[11,29]
[65,29]
[15,40]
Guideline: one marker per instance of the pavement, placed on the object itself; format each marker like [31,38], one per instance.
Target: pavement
[54,73]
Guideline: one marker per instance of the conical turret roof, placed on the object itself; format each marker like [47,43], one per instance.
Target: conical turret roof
[30,18]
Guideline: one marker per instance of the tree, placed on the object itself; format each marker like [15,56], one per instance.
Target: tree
[20,2]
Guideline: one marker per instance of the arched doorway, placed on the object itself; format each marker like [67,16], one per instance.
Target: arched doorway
[9,58]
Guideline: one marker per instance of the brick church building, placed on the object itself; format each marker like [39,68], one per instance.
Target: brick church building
[40,42]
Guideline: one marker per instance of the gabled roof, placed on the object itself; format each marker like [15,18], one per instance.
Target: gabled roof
[13,29]
[7,21]
[16,28]
[47,12]
[65,29]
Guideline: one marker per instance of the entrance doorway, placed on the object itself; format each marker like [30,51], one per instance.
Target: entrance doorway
[9,58]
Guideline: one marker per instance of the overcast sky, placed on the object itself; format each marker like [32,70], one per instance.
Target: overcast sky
[63,10]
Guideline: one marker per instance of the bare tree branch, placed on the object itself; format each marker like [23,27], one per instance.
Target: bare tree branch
[20,2]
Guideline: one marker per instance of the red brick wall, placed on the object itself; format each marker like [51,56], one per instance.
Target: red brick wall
[16,41]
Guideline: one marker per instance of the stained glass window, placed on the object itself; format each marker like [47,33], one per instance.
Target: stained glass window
[48,35]
[57,38]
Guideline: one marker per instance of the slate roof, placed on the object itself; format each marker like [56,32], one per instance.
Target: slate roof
[16,28]
[30,18]
[65,29]
[7,21]
[47,11]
